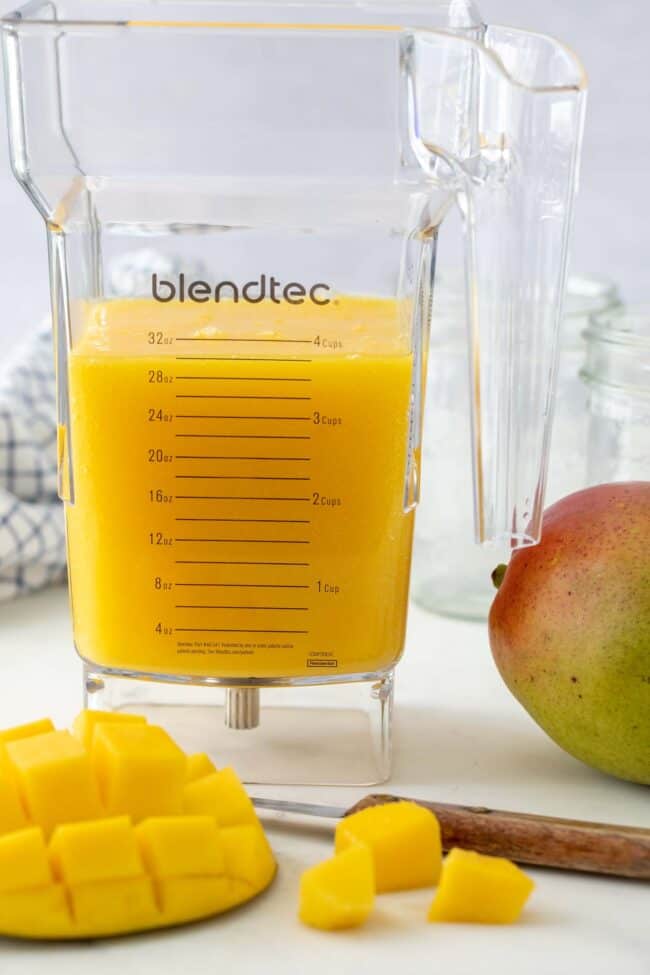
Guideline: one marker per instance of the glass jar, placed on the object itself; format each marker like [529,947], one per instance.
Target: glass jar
[617,377]
[451,574]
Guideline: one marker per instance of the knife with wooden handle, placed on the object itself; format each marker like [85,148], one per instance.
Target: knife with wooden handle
[566,844]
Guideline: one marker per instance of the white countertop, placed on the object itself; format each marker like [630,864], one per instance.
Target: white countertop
[460,737]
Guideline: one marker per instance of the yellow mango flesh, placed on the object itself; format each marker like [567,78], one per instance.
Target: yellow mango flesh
[404,840]
[338,893]
[100,849]
[24,860]
[480,889]
[83,726]
[198,766]
[39,727]
[176,846]
[141,771]
[55,779]
[103,874]
[220,794]
[110,906]
[248,855]
[12,814]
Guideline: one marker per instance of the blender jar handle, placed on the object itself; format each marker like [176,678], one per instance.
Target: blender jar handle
[513,165]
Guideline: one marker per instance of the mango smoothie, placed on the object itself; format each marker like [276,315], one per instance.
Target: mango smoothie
[237,484]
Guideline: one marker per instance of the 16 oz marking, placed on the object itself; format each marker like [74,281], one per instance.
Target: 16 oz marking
[158,496]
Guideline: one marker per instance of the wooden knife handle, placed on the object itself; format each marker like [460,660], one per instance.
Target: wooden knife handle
[623,851]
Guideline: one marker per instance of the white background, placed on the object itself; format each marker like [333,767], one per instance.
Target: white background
[612,233]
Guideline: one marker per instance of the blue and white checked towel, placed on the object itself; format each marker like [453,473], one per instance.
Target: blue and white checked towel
[32,540]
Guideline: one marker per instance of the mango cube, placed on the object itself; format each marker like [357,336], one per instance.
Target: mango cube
[198,766]
[189,898]
[404,840]
[40,727]
[24,861]
[478,888]
[101,849]
[39,912]
[83,726]
[55,779]
[12,814]
[248,856]
[338,893]
[221,795]
[124,904]
[140,770]
[177,846]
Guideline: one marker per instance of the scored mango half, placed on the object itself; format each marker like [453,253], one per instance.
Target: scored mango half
[109,830]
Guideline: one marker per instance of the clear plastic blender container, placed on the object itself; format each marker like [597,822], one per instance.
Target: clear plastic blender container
[240,450]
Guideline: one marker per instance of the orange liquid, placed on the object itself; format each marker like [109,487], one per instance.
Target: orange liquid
[238,480]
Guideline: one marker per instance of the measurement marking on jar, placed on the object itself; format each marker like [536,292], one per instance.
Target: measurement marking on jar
[251,541]
[249,379]
[282,609]
[254,521]
[239,585]
[241,436]
[233,457]
[298,565]
[223,396]
[219,416]
[263,553]
[235,358]
[220,338]
[229,497]
[208,629]
[236,477]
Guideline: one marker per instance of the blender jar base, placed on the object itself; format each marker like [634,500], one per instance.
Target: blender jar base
[315,734]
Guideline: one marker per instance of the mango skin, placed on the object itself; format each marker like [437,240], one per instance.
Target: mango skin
[570,628]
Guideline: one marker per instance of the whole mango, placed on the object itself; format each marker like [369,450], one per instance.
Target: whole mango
[570,627]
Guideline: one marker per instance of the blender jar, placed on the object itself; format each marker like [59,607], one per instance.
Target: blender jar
[239,449]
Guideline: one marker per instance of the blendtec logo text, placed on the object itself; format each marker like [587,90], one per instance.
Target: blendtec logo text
[260,289]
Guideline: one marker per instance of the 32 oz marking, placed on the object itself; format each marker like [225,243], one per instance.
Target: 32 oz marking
[158,338]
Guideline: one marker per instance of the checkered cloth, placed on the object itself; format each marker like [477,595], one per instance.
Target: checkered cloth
[32,540]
